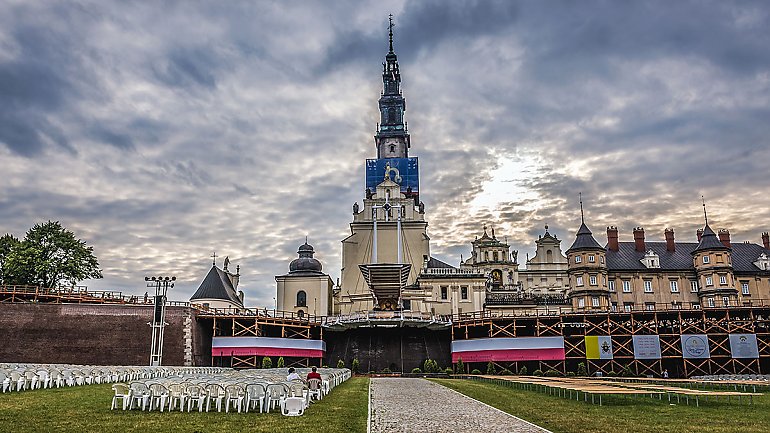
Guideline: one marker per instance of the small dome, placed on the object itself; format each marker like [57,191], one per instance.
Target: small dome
[305,262]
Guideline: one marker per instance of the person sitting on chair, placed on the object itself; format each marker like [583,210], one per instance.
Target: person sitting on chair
[314,374]
[292,375]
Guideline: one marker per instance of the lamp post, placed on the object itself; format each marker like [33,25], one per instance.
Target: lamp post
[161,284]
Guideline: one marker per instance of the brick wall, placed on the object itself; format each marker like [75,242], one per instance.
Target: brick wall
[98,334]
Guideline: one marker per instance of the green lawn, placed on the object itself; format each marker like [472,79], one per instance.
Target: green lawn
[619,415]
[87,409]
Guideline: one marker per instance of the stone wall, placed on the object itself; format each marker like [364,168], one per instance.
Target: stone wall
[99,334]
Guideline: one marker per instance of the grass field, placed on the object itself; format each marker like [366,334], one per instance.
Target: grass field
[619,415]
[87,409]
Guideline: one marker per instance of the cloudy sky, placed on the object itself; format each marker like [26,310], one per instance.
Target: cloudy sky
[162,132]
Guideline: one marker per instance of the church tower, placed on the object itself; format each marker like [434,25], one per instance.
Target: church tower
[388,242]
[392,139]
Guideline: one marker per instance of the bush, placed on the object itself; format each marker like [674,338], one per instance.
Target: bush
[340,364]
[523,371]
[355,365]
[537,372]
[570,374]
[506,372]
[627,372]
[460,367]
[448,370]
[386,370]
[267,362]
[491,368]
[430,366]
[475,371]
[281,363]
[416,370]
[324,366]
[612,373]
[581,371]
[552,373]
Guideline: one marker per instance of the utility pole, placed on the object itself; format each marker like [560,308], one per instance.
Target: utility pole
[161,284]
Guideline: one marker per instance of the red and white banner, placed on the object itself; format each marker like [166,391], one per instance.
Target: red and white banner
[509,349]
[267,346]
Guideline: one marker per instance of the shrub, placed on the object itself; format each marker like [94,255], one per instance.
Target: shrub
[324,366]
[386,370]
[581,370]
[627,372]
[523,371]
[475,371]
[355,365]
[460,367]
[506,372]
[267,362]
[491,368]
[340,364]
[281,363]
[416,370]
[570,374]
[430,366]
[612,373]
[537,372]
[448,370]
[552,373]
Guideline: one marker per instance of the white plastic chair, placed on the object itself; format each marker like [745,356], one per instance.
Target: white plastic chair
[158,396]
[18,381]
[255,395]
[214,392]
[293,406]
[5,380]
[177,394]
[123,393]
[195,394]
[139,394]
[314,389]
[235,395]
[276,393]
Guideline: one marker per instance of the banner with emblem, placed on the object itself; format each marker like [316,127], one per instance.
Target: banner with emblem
[744,346]
[695,346]
[646,347]
[598,347]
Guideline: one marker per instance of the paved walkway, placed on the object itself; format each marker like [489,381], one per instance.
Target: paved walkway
[418,405]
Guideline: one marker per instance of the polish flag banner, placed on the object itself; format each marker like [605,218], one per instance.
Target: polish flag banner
[267,346]
[509,349]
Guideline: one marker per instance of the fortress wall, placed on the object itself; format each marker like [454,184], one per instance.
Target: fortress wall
[103,334]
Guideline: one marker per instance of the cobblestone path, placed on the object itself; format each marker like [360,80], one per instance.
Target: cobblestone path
[418,405]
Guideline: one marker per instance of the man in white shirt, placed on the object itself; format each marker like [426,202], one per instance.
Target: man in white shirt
[292,375]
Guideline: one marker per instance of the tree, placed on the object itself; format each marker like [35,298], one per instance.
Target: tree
[50,256]
[340,364]
[581,369]
[267,362]
[460,367]
[281,362]
[355,365]
[491,368]
[8,243]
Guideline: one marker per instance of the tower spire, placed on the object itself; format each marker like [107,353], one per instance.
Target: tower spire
[390,31]
[582,217]
[705,215]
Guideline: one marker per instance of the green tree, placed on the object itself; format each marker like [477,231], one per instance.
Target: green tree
[8,243]
[491,368]
[581,370]
[267,362]
[460,367]
[281,362]
[51,256]
[355,365]
[340,364]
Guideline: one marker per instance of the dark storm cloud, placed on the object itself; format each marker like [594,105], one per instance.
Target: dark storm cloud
[170,131]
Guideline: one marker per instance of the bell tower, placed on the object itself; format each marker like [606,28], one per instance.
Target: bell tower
[392,139]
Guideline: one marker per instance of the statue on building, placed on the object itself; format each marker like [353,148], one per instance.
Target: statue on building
[355,208]
[515,256]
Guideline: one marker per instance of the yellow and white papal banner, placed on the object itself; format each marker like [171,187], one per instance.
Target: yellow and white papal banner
[598,347]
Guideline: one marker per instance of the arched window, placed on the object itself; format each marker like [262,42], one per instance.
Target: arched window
[300,314]
[392,148]
[301,299]
[549,256]
[392,115]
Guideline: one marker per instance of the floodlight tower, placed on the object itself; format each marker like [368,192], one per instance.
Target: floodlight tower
[161,284]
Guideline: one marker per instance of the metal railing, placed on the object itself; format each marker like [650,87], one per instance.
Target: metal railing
[498,299]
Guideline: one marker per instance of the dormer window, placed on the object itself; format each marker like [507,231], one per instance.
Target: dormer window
[763,262]
[651,260]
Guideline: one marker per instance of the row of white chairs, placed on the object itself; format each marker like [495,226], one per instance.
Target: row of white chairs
[243,391]
[721,377]
[24,377]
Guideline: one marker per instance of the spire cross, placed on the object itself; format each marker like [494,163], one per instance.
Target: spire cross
[214,256]
[705,215]
[390,31]
[582,218]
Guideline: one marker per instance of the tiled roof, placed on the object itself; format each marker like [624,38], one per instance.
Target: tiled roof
[217,285]
[584,239]
[709,241]
[627,258]
[436,263]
